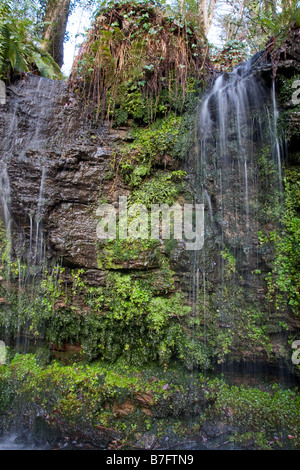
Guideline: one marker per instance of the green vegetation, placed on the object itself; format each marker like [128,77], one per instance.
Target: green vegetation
[151,145]
[233,53]
[114,253]
[127,401]
[283,281]
[126,318]
[19,51]
[139,317]
[247,26]
[266,419]
[163,188]
[128,67]
[230,263]
[139,340]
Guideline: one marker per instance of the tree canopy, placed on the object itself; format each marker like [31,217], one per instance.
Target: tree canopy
[33,32]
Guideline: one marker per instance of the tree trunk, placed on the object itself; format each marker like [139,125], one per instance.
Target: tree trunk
[206,10]
[56,18]
[203,16]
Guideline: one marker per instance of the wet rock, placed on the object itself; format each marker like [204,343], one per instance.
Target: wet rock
[123,409]
[212,430]
[147,441]
[37,138]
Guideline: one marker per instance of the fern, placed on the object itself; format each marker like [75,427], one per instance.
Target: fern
[12,49]
[46,66]
[18,50]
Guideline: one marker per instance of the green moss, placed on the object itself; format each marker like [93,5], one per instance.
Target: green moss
[150,145]
[264,414]
[5,246]
[132,401]
[283,280]
[140,318]
[114,253]
[162,188]
[266,166]
[229,265]
[286,90]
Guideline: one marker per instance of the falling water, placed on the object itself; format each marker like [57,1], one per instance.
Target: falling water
[225,121]
[39,239]
[275,133]
[207,199]
[237,117]
[5,197]
[15,441]
[42,99]
[8,143]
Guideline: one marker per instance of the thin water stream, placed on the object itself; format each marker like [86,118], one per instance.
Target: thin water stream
[237,119]
[13,442]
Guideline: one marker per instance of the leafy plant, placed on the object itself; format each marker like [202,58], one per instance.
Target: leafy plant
[284,280]
[19,52]
[129,68]
[230,263]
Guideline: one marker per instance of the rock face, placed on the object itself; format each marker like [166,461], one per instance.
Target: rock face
[60,170]
[58,167]
[56,170]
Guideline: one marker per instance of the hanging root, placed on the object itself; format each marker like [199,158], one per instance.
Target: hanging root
[136,47]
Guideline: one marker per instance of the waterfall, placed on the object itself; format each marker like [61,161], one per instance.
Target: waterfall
[28,130]
[230,120]
[5,197]
[277,150]
[237,118]
[49,308]
[43,101]
[225,120]
[208,201]
[37,254]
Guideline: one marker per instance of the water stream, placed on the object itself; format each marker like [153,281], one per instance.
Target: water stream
[237,119]
[38,255]
[5,200]
[13,441]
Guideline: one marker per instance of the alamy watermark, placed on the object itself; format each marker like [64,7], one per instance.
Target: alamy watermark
[296,354]
[160,221]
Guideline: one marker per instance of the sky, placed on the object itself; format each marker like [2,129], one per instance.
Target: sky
[78,23]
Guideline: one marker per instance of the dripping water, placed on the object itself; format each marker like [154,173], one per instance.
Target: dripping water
[5,199]
[39,242]
[236,117]
[275,133]
[207,198]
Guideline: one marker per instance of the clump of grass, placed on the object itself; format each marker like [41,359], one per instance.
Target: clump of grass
[134,53]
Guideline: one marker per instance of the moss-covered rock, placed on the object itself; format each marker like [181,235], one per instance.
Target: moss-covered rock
[121,406]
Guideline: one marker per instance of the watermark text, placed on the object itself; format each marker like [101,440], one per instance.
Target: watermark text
[136,221]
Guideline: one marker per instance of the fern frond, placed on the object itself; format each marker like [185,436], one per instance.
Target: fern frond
[18,52]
